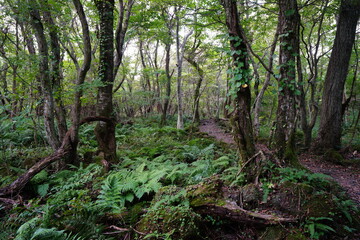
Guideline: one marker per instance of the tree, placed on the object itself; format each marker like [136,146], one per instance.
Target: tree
[44,73]
[169,20]
[180,51]
[80,79]
[104,131]
[240,89]
[289,20]
[329,136]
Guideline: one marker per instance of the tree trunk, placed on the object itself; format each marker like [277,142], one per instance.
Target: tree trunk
[105,132]
[260,95]
[241,119]
[329,135]
[286,115]
[180,48]
[81,75]
[55,71]
[46,84]
[168,84]
[121,29]
[191,60]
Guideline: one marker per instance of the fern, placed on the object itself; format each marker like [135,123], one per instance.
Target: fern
[26,230]
[110,194]
[123,186]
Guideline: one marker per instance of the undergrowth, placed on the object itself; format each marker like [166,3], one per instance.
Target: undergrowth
[148,184]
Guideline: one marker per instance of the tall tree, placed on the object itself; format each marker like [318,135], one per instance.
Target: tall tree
[329,135]
[180,51]
[169,20]
[105,132]
[80,79]
[289,20]
[44,73]
[240,89]
[56,75]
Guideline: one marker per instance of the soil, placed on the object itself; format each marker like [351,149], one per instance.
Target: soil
[347,176]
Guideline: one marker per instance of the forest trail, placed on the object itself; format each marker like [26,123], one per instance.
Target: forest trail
[347,176]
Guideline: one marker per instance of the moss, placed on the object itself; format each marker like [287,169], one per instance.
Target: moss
[205,192]
[179,222]
[296,236]
[40,177]
[274,233]
[333,156]
[320,205]
[135,213]
[289,197]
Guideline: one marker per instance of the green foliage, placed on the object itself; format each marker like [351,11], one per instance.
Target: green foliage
[347,207]
[316,226]
[123,186]
[303,176]
[31,230]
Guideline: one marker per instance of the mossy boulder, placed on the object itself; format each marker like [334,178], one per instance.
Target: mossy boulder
[177,222]
[207,192]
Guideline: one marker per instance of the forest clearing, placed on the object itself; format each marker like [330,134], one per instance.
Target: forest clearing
[179,119]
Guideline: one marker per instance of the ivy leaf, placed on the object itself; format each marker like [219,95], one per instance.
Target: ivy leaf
[290,12]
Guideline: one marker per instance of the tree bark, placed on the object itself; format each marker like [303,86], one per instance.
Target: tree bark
[329,135]
[241,119]
[168,84]
[80,79]
[286,115]
[180,48]
[105,133]
[55,71]
[200,71]
[45,81]
[121,29]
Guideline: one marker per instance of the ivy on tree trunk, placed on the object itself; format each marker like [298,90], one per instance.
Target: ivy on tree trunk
[105,132]
[240,89]
[286,115]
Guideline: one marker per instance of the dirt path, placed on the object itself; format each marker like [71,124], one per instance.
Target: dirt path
[347,176]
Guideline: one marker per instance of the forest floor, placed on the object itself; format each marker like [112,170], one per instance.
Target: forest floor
[346,176]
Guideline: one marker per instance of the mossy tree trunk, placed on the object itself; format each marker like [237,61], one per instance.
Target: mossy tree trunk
[285,118]
[105,132]
[240,89]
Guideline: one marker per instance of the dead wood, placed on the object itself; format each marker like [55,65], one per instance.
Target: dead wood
[66,147]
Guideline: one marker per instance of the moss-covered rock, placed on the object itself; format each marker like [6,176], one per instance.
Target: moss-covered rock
[207,192]
[177,222]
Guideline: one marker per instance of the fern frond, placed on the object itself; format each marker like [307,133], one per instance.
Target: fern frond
[26,230]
